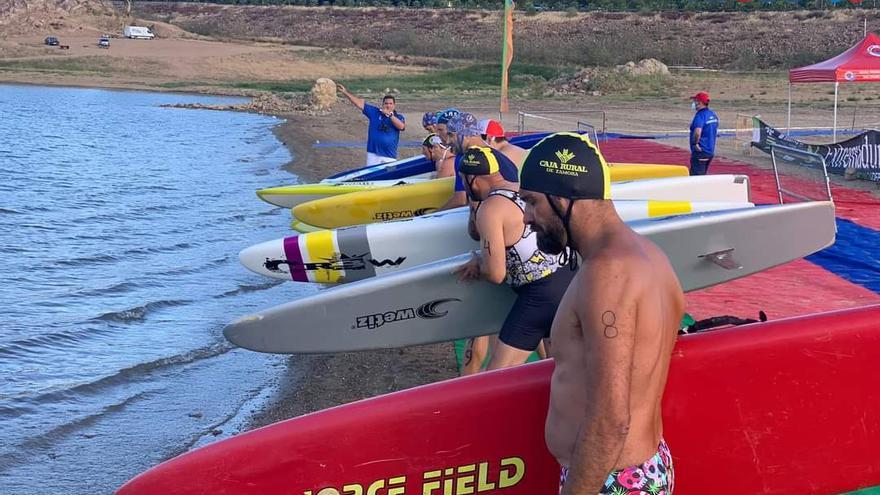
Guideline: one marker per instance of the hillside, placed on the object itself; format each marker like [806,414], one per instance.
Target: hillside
[712,39]
[39,16]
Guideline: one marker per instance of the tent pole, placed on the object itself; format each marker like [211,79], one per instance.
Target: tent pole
[788,122]
[834,132]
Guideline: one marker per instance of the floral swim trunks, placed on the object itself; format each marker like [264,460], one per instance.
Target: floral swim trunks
[653,477]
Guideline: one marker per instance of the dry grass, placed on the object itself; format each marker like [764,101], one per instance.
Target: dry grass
[736,40]
[83,65]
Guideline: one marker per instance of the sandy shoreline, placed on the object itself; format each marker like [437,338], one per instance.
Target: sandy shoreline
[315,382]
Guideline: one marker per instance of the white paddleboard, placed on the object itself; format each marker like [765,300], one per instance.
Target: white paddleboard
[426,304]
[355,253]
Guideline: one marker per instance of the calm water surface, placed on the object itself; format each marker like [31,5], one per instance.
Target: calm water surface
[120,227]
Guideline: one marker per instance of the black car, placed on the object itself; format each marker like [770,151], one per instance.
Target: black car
[51,41]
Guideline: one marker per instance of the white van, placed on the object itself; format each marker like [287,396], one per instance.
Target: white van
[137,32]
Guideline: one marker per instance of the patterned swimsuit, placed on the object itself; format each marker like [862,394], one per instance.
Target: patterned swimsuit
[653,477]
[525,262]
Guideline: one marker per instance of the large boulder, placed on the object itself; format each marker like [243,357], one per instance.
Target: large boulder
[646,67]
[323,94]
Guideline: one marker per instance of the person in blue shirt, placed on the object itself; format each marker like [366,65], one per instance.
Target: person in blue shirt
[384,130]
[704,131]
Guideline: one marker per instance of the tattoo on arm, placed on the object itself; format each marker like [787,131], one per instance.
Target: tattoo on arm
[486,247]
[469,353]
[609,319]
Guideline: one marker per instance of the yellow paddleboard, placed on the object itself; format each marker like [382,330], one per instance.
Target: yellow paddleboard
[303,228]
[290,196]
[414,200]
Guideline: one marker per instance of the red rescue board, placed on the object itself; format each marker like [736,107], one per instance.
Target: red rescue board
[784,407]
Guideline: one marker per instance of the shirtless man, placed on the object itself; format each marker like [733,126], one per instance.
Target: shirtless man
[509,254]
[614,330]
[493,134]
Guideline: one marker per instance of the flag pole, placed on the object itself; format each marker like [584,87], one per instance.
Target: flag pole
[506,53]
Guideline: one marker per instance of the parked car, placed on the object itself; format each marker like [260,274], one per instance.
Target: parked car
[104,42]
[51,41]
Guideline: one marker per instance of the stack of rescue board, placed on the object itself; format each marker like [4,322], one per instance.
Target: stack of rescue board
[735,407]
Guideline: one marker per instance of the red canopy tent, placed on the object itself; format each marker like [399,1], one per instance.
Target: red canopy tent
[861,63]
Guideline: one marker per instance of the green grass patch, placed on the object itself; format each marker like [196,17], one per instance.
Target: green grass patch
[296,86]
[83,65]
[77,64]
[478,77]
[617,83]
[183,84]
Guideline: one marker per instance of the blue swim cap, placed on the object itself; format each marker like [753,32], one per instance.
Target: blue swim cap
[430,118]
[464,124]
[446,115]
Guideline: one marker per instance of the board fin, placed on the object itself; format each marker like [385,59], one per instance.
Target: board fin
[723,258]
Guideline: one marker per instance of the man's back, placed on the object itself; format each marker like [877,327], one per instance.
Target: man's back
[614,332]
[516,154]
[707,121]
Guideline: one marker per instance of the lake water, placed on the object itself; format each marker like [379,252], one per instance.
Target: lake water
[120,227]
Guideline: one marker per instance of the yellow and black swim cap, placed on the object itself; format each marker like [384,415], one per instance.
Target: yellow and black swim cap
[568,165]
[482,160]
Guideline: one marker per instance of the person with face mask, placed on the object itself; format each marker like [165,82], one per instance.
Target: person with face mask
[509,254]
[704,131]
[614,331]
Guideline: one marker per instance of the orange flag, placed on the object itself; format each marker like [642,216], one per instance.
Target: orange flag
[506,51]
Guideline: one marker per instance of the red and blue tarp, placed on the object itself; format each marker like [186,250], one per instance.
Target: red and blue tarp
[844,275]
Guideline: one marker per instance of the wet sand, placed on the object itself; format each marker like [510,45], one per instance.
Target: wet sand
[316,382]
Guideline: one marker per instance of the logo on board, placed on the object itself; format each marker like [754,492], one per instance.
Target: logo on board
[337,263]
[428,311]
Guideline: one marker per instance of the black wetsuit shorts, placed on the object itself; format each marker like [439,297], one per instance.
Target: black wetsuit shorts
[532,314]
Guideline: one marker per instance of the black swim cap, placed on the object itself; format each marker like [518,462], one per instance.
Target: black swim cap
[482,160]
[431,140]
[567,165]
